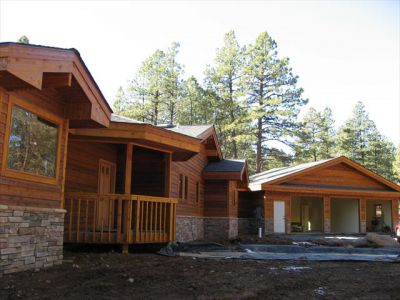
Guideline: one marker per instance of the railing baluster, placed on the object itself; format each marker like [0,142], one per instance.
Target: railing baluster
[137,220]
[156,222]
[147,221]
[86,219]
[119,220]
[151,221]
[141,221]
[78,220]
[165,222]
[101,219]
[70,218]
[129,220]
[94,220]
[110,213]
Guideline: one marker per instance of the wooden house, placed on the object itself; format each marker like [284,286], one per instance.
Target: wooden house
[332,196]
[72,171]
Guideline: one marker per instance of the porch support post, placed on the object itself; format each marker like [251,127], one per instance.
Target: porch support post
[128,191]
[128,169]
[168,163]
[395,212]
[327,214]
[363,215]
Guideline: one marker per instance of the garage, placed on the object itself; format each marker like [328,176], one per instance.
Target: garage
[334,195]
[307,214]
[345,215]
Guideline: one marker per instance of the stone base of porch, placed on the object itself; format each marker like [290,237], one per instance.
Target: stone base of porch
[30,238]
[189,228]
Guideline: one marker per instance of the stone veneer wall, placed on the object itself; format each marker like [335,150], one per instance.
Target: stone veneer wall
[30,238]
[189,228]
[217,229]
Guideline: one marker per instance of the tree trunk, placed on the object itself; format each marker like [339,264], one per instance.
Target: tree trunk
[259,146]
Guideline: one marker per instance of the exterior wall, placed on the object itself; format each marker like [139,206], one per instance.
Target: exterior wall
[220,229]
[30,238]
[269,210]
[193,169]
[189,228]
[216,202]
[82,174]
[16,191]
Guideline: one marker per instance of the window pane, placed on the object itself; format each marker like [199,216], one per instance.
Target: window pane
[33,144]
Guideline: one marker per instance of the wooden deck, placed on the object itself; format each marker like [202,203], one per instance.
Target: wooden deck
[119,219]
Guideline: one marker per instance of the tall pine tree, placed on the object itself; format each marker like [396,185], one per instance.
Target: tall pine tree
[272,95]
[360,140]
[223,78]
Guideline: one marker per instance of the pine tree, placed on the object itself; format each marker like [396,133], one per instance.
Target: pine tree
[396,166]
[315,137]
[23,40]
[272,95]
[360,140]
[172,83]
[223,78]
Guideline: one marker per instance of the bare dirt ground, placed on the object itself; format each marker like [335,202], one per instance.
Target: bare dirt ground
[111,275]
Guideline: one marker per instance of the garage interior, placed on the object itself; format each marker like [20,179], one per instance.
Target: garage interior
[379,216]
[345,216]
[307,214]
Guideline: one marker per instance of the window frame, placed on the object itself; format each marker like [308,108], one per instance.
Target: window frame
[197,200]
[58,121]
[186,188]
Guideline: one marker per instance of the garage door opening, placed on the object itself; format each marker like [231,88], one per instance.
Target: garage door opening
[307,214]
[379,216]
[345,216]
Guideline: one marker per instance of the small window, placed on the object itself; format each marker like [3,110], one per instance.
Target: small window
[32,144]
[180,186]
[197,192]
[186,187]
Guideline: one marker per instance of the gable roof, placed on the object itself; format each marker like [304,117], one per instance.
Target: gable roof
[280,175]
[38,66]
[226,169]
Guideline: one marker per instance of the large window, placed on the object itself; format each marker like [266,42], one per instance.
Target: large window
[32,147]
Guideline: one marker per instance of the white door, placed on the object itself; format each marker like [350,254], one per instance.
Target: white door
[279,216]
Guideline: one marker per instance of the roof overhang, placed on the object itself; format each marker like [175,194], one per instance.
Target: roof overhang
[181,146]
[61,70]
[241,175]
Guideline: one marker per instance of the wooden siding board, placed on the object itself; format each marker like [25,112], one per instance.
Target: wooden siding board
[192,168]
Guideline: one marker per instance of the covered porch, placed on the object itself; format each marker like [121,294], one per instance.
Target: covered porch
[118,191]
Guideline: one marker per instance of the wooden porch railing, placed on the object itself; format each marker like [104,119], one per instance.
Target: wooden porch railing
[119,218]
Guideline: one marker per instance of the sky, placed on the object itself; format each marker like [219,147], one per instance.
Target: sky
[342,51]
